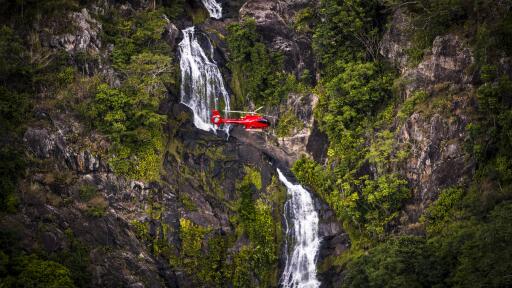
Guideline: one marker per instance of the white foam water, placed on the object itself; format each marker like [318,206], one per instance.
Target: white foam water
[202,85]
[301,225]
[214,8]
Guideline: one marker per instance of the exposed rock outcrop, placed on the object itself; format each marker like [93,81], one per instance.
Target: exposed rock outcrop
[273,20]
[448,62]
[397,40]
[434,135]
[437,157]
[86,36]
[308,140]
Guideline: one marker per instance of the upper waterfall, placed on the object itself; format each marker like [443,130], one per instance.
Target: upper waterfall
[202,86]
[214,8]
[302,225]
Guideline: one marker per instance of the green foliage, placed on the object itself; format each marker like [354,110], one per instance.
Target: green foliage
[174,8]
[129,114]
[109,110]
[202,258]
[187,202]
[12,168]
[260,257]
[134,35]
[257,73]
[408,106]
[258,260]
[15,87]
[40,273]
[446,209]
[192,237]
[460,251]
[383,198]
[217,270]
[486,22]
[75,257]
[97,207]
[252,176]
[486,259]
[400,262]
[359,180]
[348,31]
[27,12]
[364,203]
[15,80]
[347,103]
[491,139]
[305,20]
[87,192]
[288,123]
[141,230]
[352,95]
[242,272]
[19,269]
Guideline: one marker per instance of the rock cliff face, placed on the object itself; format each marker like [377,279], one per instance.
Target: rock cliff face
[199,167]
[200,170]
[434,135]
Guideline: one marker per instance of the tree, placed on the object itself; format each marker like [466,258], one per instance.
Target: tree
[256,72]
[349,31]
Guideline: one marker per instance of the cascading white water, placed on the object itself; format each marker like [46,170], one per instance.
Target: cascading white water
[302,218]
[202,85]
[214,8]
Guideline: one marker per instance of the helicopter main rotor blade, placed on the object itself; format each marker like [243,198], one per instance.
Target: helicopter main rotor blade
[242,112]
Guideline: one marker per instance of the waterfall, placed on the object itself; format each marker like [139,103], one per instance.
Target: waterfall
[202,86]
[301,225]
[214,8]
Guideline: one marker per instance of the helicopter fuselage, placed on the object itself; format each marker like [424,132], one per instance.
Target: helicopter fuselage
[251,121]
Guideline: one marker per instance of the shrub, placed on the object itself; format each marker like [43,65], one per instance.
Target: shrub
[288,123]
[355,93]
[486,260]
[40,273]
[408,106]
[12,168]
[87,192]
[97,207]
[446,209]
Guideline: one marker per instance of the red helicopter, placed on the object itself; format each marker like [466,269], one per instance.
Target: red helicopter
[251,121]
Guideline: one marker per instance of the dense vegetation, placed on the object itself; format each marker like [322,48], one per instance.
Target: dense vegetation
[467,231]
[256,71]
[33,75]
[258,74]
[129,114]
[358,98]
[247,257]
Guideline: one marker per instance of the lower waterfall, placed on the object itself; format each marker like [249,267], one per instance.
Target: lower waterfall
[301,225]
[202,90]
